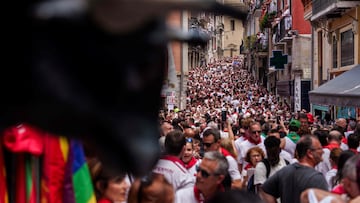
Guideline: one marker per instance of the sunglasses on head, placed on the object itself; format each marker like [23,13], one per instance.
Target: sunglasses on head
[207,144]
[189,140]
[204,173]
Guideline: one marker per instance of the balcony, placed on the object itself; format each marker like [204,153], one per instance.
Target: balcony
[237,4]
[267,20]
[331,8]
[283,34]
[255,44]
[233,3]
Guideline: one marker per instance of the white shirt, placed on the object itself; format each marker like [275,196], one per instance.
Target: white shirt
[324,166]
[329,176]
[260,171]
[224,135]
[290,146]
[185,195]
[286,155]
[344,146]
[174,172]
[233,168]
[244,147]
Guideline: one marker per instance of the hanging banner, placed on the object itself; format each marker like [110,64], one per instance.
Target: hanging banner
[297,93]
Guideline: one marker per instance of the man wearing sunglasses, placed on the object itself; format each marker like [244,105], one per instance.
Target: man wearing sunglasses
[212,142]
[209,178]
[254,140]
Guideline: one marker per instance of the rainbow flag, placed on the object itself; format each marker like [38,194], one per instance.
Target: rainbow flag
[3,187]
[78,182]
[65,175]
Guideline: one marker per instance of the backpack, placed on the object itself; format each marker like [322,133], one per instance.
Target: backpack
[251,186]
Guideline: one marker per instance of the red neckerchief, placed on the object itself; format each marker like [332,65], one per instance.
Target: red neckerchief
[173,159]
[104,200]
[344,140]
[338,189]
[332,145]
[225,152]
[253,141]
[249,165]
[200,197]
[191,163]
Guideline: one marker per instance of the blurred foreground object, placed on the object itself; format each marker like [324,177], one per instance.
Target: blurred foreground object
[92,69]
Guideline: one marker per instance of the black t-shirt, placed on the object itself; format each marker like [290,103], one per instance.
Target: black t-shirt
[292,180]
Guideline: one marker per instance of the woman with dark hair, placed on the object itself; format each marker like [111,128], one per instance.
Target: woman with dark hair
[334,161]
[188,158]
[109,187]
[344,156]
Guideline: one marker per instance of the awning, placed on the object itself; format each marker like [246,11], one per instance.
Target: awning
[320,107]
[344,90]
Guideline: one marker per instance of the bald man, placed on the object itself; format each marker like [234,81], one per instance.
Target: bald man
[341,122]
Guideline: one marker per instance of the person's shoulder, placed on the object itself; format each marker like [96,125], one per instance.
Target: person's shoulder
[239,141]
[230,158]
[260,165]
[284,161]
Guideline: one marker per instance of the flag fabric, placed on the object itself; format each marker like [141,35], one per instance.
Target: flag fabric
[26,187]
[27,144]
[78,183]
[20,183]
[3,186]
[31,179]
[64,175]
[24,139]
[54,159]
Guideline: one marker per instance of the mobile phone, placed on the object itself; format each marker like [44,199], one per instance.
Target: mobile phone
[223,115]
[278,119]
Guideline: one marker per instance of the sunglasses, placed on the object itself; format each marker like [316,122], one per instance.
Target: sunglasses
[256,131]
[208,144]
[204,173]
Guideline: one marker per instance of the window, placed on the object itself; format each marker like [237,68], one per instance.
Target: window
[232,25]
[334,52]
[347,48]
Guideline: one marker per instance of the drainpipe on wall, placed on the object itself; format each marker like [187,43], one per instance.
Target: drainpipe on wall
[184,48]
[181,65]
[312,65]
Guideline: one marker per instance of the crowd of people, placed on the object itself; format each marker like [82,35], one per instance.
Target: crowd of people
[228,111]
[236,142]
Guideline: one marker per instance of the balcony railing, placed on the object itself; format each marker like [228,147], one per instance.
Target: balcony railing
[331,8]
[280,31]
